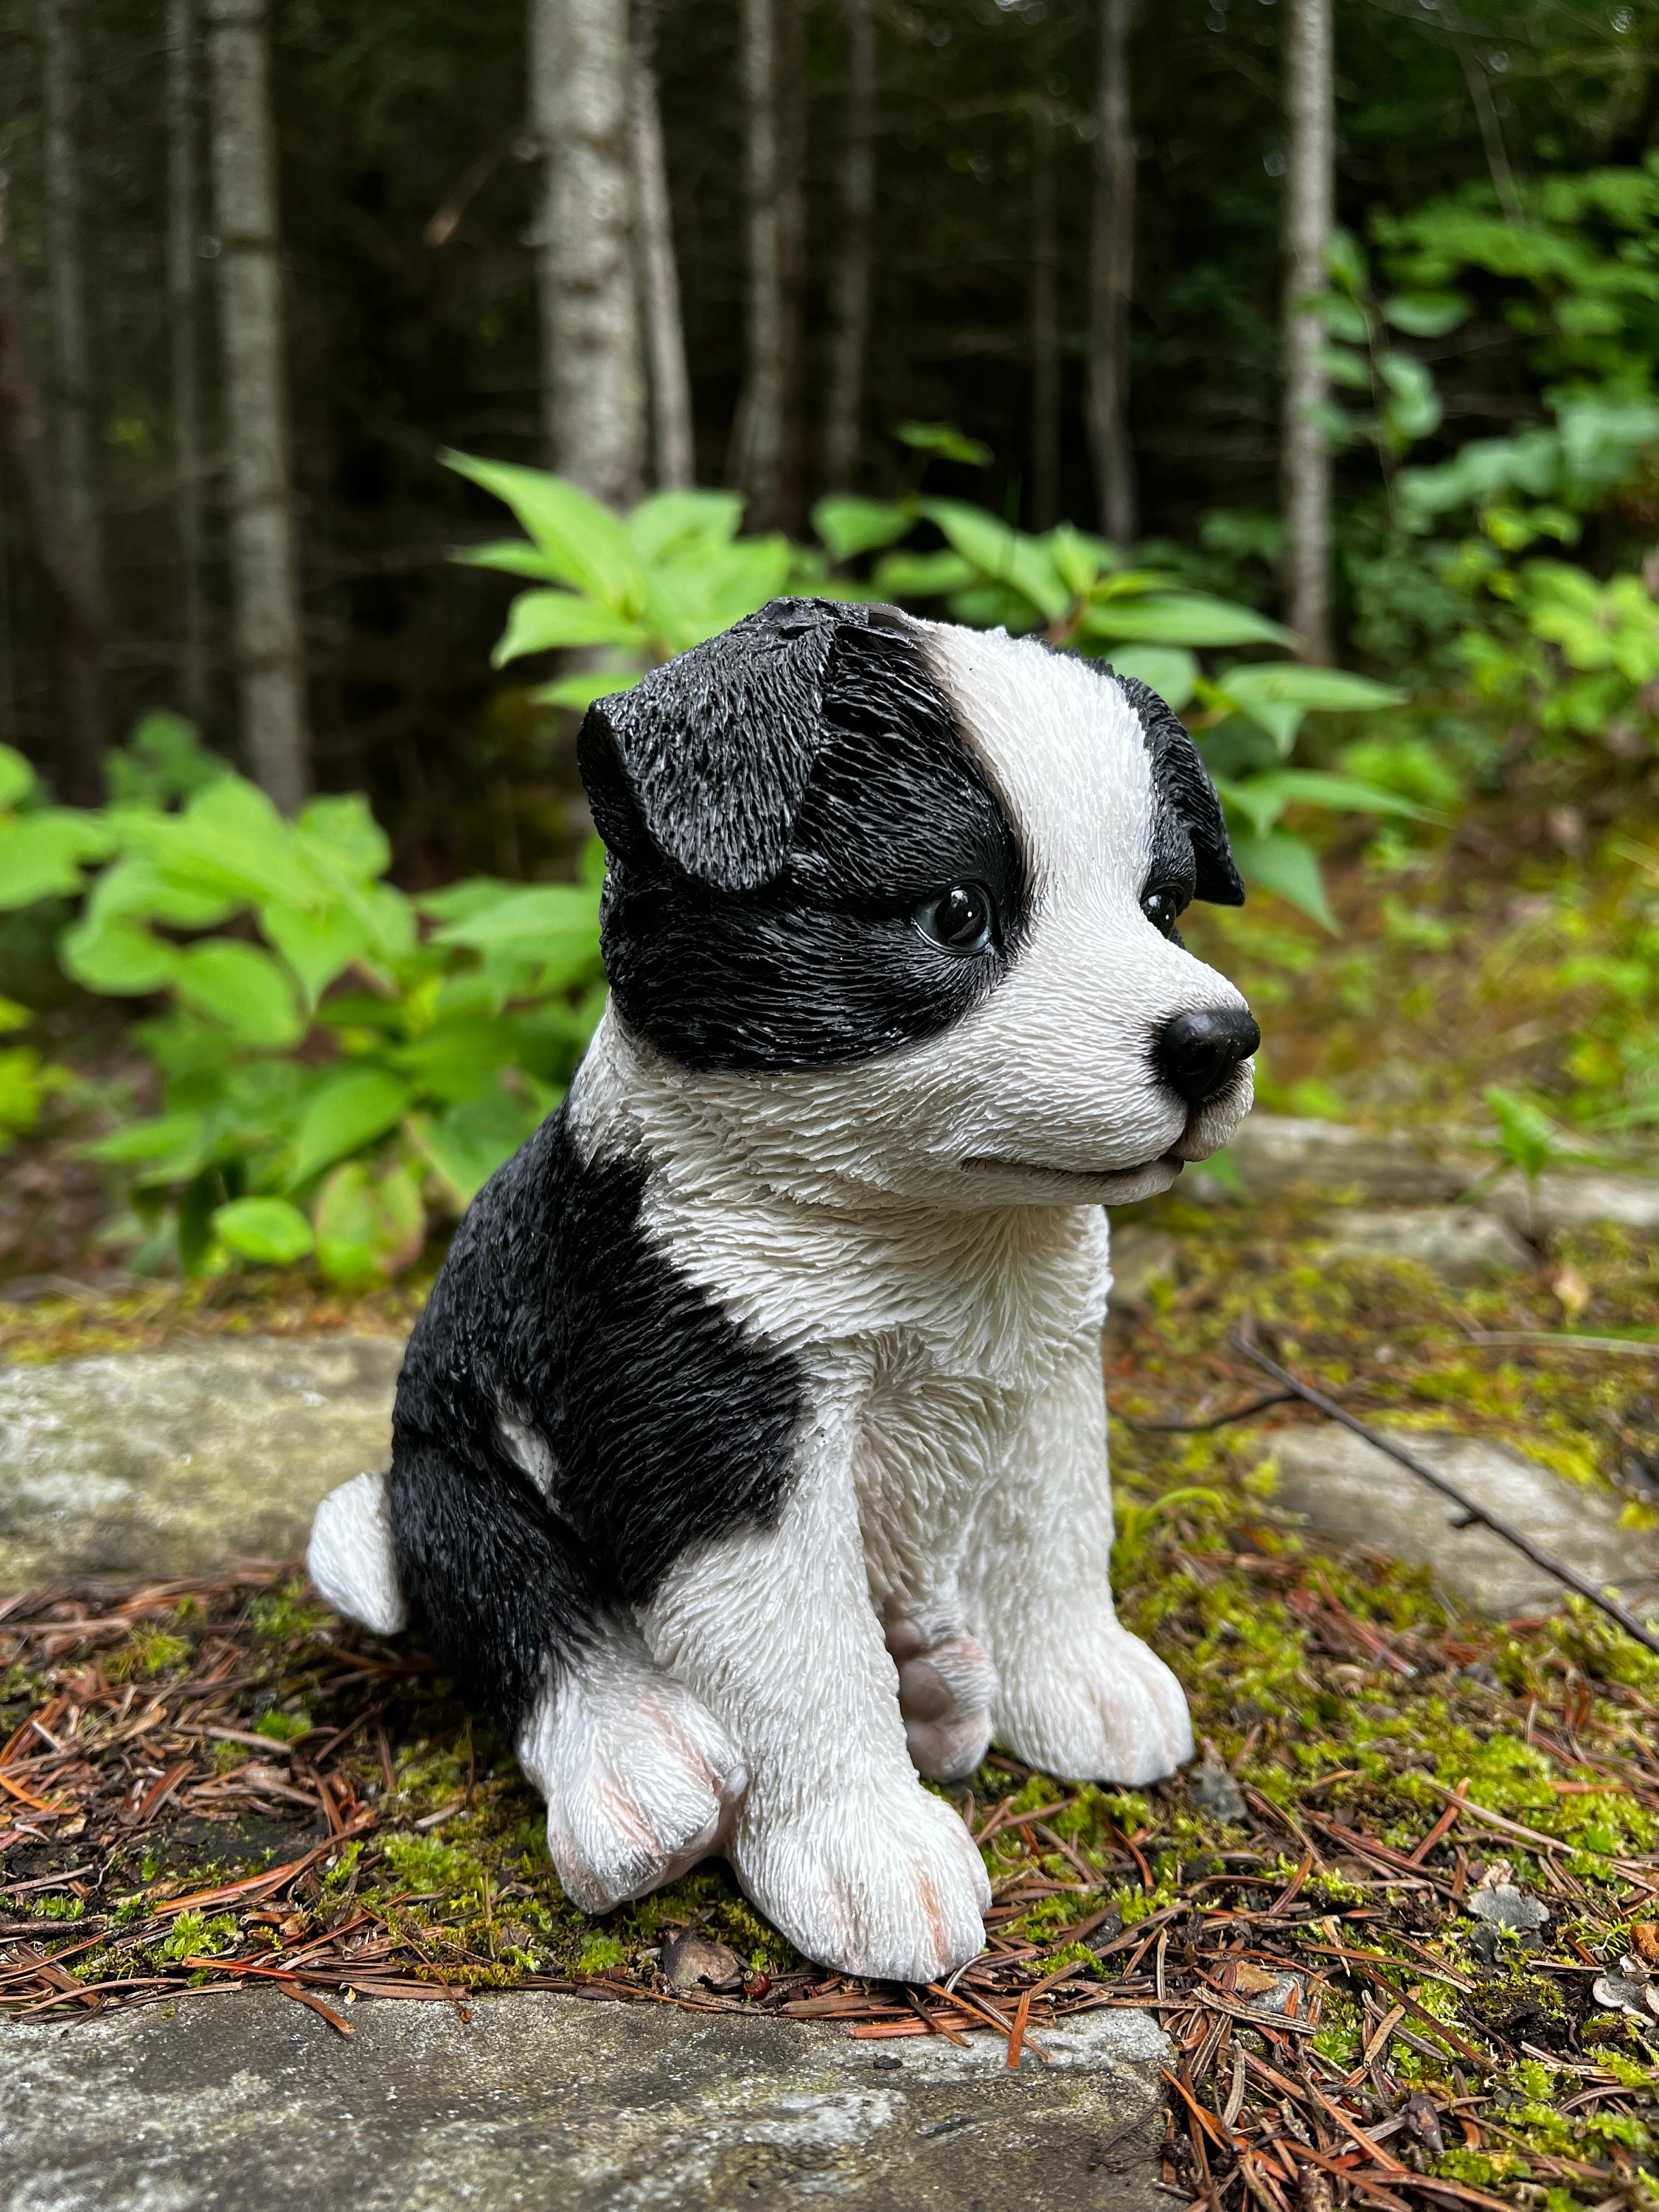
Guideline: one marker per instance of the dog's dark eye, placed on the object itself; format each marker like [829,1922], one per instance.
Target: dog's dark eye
[959,918]
[1162,909]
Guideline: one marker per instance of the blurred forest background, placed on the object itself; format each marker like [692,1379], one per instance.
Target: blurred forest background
[1299,355]
[1062,228]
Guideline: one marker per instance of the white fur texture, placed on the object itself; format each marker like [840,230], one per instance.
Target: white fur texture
[350,1558]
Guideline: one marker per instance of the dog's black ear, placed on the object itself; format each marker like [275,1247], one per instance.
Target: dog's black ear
[1183,785]
[705,762]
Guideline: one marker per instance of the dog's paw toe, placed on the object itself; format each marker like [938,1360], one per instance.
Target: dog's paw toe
[946,1686]
[351,1558]
[640,1785]
[890,1886]
[1102,1708]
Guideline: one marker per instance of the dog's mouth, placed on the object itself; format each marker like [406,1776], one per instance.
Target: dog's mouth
[1000,1163]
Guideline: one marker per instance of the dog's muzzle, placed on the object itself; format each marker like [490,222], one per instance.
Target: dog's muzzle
[1198,1053]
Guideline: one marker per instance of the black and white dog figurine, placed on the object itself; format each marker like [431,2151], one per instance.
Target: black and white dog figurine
[750,1456]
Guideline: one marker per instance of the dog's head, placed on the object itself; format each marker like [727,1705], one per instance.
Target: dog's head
[904,897]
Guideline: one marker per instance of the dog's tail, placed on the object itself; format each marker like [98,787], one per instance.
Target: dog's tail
[350,1558]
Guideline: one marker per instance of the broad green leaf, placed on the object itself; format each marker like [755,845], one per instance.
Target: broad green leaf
[1079,560]
[268,1230]
[543,622]
[668,520]
[117,957]
[1277,693]
[1170,671]
[585,543]
[13,1016]
[514,557]
[580,691]
[1344,367]
[923,575]
[169,1146]
[1192,618]
[350,1112]
[538,922]
[470,1142]
[1342,317]
[1342,795]
[242,988]
[474,895]
[696,596]
[25,1085]
[1413,408]
[348,1248]
[17,777]
[318,945]
[1278,862]
[848,526]
[1005,555]
[945,442]
[1427,315]
[345,832]
[42,854]
[457,1058]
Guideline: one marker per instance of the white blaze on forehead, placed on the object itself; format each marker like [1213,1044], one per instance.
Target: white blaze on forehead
[1062,749]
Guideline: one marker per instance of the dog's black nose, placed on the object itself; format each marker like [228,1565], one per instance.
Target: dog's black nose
[1195,1054]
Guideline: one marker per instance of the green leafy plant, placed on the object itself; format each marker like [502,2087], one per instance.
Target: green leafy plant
[339,1065]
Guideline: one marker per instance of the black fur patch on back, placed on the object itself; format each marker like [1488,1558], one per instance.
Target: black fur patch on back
[822,962]
[1190,848]
[667,1423]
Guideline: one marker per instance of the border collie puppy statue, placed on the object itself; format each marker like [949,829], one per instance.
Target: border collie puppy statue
[750,1456]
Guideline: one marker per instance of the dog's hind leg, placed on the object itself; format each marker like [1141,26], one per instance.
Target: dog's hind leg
[639,1779]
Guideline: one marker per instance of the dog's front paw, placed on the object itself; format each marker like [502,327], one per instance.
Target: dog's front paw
[640,1780]
[885,1882]
[946,1686]
[1094,1705]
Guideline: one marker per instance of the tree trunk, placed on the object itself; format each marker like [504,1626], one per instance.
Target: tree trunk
[1310,192]
[593,384]
[1045,324]
[849,344]
[183,263]
[673,446]
[264,570]
[23,424]
[64,164]
[1112,277]
[765,443]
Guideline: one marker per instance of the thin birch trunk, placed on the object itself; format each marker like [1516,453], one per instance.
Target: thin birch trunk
[763,444]
[1045,324]
[1309,197]
[1112,277]
[183,265]
[268,655]
[671,434]
[64,163]
[593,380]
[849,345]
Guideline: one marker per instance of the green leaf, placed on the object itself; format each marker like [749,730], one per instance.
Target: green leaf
[17,777]
[540,922]
[169,1146]
[42,854]
[1277,693]
[1193,618]
[1413,408]
[543,622]
[117,957]
[242,988]
[1341,795]
[580,691]
[1526,1137]
[848,526]
[1344,367]
[317,945]
[1288,866]
[945,442]
[470,1141]
[268,1230]
[348,1113]
[1171,671]
[1006,555]
[514,557]
[584,543]
[923,575]
[1427,315]
[671,521]
[343,831]
[1078,559]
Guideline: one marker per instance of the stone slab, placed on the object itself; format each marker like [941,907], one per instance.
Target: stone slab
[1275,1152]
[246,2102]
[1582,1200]
[1348,1489]
[1457,1243]
[175,1461]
